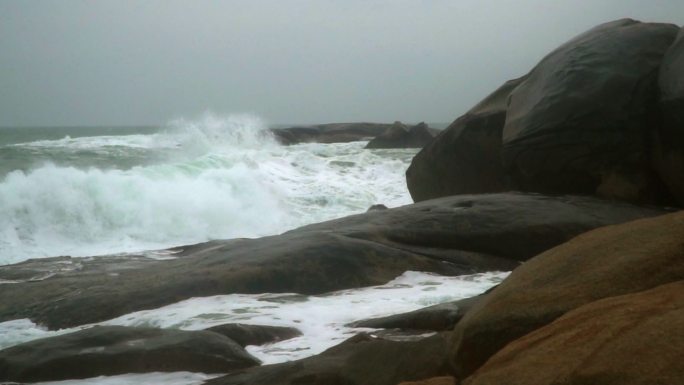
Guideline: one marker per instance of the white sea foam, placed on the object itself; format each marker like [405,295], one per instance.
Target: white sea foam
[225,178]
[95,142]
[321,319]
[156,378]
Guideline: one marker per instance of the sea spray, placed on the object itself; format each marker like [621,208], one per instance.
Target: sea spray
[192,181]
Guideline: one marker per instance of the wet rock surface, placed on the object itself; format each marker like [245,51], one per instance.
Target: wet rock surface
[439,317]
[361,360]
[255,334]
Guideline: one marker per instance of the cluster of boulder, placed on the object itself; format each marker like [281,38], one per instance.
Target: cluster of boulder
[600,115]
[596,293]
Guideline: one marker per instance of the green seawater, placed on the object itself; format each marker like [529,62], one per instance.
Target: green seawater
[21,148]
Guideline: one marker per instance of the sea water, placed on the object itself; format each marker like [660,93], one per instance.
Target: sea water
[108,190]
[322,319]
[97,191]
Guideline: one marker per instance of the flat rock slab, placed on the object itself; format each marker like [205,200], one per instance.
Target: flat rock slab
[448,236]
[245,335]
[606,262]
[635,339]
[361,360]
[112,350]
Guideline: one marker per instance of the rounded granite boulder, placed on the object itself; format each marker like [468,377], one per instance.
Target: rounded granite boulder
[635,339]
[581,122]
[668,151]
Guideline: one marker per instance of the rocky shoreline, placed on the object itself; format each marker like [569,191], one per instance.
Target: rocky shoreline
[570,177]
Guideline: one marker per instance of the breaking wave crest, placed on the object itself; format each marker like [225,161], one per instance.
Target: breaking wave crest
[218,177]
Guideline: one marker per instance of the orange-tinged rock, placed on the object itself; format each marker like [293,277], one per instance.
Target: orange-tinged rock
[606,262]
[635,339]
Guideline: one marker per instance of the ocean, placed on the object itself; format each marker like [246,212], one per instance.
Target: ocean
[92,191]
[105,190]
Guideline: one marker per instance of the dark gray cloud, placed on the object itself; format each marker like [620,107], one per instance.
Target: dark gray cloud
[145,62]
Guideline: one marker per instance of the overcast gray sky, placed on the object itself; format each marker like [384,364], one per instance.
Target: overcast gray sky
[126,62]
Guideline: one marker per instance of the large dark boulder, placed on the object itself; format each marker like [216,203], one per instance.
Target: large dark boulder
[402,136]
[669,143]
[329,133]
[465,158]
[449,236]
[439,317]
[635,339]
[111,350]
[606,262]
[361,360]
[582,122]
[245,334]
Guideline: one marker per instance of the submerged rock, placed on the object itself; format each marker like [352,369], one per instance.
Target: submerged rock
[377,207]
[255,334]
[361,360]
[111,350]
[439,317]
[449,236]
[606,262]
[631,339]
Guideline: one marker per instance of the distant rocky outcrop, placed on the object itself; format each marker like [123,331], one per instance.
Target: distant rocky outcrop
[402,136]
[111,350]
[361,360]
[630,339]
[606,262]
[255,334]
[329,133]
[381,135]
[449,236]
[584,121]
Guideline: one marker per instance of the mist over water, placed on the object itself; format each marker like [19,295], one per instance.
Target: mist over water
[194,180]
